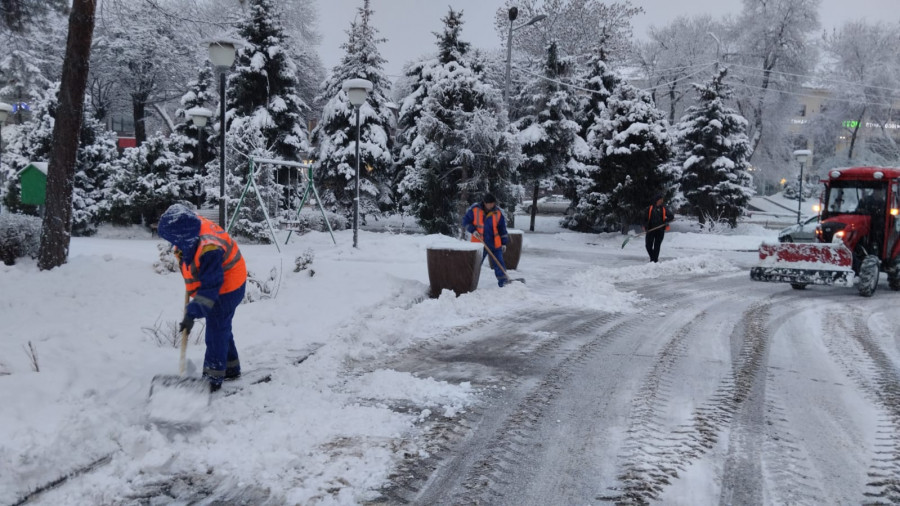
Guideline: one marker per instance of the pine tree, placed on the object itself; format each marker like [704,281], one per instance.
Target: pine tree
[632,145]
[94,166]
[32,142]
[150,178]
[265,115]
[548,133]
[601,81]
[335,136]
[454,157]
[579,185]
[713,149]
[201,152]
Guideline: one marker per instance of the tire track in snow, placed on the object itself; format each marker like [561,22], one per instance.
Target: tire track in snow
[874,371]
[650,467]
[454,444]
[500,458]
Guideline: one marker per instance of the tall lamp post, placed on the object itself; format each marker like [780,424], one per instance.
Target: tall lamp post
[5,109]
[357,91]
[199,116]
[221,54]
[801,155]
[513,14]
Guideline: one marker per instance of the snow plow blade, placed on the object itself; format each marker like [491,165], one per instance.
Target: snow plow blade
[805,264]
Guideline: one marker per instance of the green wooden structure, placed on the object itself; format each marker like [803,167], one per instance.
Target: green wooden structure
[34,183]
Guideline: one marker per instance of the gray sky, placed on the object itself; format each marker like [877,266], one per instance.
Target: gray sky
[408,24]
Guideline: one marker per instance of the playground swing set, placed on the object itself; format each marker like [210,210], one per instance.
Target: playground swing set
[309,190]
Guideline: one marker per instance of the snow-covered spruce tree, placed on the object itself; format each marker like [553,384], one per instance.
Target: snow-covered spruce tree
[265,115]
[548,132]
[201,93]
[578,184]
[453,158]
[150,178]
[411,91]
[32,142]
[632,145]
[713,151]
[335,136]
[94,166]
[22,83]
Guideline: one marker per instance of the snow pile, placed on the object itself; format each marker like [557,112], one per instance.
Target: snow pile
[702,264]
[387,384]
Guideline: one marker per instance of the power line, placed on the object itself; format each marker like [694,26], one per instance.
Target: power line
[807,76]
[797,94]
[570,85]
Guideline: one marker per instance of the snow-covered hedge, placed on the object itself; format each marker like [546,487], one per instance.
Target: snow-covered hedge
[20,236]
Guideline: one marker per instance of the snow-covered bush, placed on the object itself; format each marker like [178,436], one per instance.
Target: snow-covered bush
[260,290]
[20,236]
[167,262]
[312,220]
[302,262]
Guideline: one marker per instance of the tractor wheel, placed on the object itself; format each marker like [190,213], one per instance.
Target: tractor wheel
[798,286]
[893,275]
[868,276]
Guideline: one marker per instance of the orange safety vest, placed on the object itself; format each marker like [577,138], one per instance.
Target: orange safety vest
[212,236]
[478,221]
[650,215]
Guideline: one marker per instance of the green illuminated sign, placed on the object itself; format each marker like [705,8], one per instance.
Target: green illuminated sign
[851,124]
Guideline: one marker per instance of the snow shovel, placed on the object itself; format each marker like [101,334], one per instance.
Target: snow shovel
[630,237]
[179,400]
[489,252]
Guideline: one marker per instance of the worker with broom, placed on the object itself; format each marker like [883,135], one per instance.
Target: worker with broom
[658,218]
[215,275]
[485,221]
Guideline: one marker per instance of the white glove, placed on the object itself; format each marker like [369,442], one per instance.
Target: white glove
[503,248]
[476,235]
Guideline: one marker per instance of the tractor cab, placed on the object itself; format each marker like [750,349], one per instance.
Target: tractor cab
[857,237]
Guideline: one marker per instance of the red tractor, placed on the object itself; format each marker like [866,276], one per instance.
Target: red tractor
[857,236]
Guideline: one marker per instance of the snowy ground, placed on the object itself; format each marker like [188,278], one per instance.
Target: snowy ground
[331,425]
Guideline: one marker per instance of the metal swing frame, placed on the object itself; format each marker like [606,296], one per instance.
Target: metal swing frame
[310,189]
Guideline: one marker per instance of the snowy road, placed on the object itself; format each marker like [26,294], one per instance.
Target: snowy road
[719,390]
[602,380]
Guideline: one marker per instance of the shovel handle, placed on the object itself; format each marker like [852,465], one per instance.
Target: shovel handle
[182,363]
[491,253]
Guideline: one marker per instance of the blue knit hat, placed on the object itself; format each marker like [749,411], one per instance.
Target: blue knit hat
[180,226]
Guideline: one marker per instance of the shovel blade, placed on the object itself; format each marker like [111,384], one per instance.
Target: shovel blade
[178,400]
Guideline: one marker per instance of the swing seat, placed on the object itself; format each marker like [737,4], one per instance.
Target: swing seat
[291,225]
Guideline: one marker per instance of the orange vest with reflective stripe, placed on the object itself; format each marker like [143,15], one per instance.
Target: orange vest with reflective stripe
[212,236]
[650,215]
[478,222]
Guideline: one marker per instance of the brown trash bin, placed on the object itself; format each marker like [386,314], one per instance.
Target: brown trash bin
[513,250]
[453,268]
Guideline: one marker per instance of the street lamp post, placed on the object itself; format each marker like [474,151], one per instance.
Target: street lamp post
[513,14]
[357,91]
[5,109]
[221,54]
[801,155]
[199,116]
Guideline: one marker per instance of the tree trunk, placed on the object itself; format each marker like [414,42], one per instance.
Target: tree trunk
[57,226]
[534,199]
[672,103]
[139,112]
[855,134]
